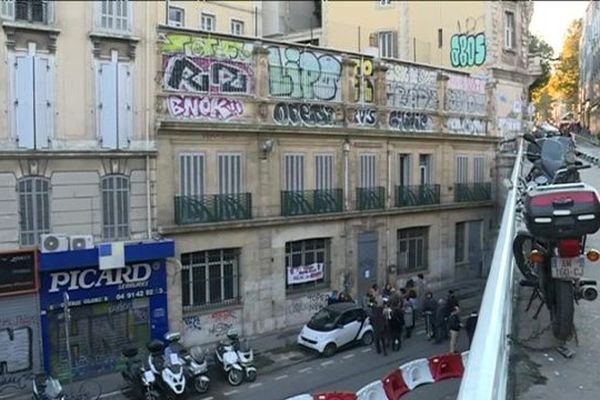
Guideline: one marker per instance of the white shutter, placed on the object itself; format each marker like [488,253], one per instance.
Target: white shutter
[44,110]
[125,105]
[294,172]
[230,173]
[7,9]
[107,104]
[24,101]
[479,169]
[462,168]
[191,170]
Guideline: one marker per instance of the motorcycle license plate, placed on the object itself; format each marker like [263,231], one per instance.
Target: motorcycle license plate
[567,268]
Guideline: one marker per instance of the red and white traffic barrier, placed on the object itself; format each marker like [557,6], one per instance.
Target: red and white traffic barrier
[402,380]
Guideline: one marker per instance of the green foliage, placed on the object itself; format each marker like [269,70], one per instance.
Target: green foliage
[564,84]
[539,47]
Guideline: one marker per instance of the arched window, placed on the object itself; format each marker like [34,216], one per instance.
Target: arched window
[115,207]
[34,209]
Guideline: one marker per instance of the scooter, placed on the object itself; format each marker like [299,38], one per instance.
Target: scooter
[236,360]
[140,380]
[194,362]
[168,371]
[46,387]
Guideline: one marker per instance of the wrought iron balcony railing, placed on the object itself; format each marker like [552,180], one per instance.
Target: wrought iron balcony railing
[311,202]
[372,198]
[212,208]
[472,191]
[417,195]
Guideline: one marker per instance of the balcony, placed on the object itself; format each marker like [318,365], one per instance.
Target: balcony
[311,202]
[212,208]
[472,191]
[372,198]
[417,195]
[32,11]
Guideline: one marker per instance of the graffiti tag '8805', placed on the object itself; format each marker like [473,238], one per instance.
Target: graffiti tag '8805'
[468,50]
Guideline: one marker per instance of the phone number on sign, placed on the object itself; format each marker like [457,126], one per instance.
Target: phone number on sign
[139,293]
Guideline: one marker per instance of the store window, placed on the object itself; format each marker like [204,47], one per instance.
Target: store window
[307,264]
[210,278]
[413,248]
[115,207]
[34,209]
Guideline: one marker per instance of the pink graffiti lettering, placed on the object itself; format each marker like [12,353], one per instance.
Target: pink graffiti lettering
[205,107]
[223,315]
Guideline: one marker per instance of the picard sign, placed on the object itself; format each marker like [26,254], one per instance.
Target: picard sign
[17,272]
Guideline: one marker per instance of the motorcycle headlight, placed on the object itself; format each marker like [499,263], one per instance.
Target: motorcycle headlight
[570,157]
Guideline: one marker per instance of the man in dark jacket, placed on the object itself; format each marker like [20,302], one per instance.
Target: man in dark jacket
[454,325]
[471,324]
[397,325]
[378,322]
[440,321]
[429,309]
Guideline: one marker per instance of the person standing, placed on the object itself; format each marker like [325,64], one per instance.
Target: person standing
[471,324]
[378,322]
[429,310]
[397,325]
[409,317]
[440,321]
[454,325]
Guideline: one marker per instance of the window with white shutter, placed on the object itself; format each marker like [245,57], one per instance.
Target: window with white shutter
[367,171]
[324,171]
[191,174]
[230,173]
[479,169]
[462,169]
[33,104]
[7,9]
[294,172]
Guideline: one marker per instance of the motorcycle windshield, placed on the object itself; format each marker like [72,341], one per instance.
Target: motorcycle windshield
[553,155]
[53,389]
[324,320]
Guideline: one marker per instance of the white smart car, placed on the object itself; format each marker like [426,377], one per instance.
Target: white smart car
[336,326]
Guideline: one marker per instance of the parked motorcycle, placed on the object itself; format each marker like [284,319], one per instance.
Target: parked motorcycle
[559,212]
[194,362]
[46,387]
[168,371]
[140,380]
[236,360]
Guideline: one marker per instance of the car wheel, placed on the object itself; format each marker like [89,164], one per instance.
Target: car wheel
[367,338]
[329,350]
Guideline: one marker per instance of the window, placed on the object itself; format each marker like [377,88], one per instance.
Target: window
[479,169]
[412,248]
[230,173]
[115,103]
[425,168]
[7,9]
[462,171]
[33,77]
[388,44]
[404,172]
[294,172]
[210,278]
[368,172]
[207,22]
[191,174]
[237,27]
[510,33]
[115,15]
[307,264]
[176,16]
[324,171]
[440,38]
[34,209]
[459,242]
[115,207]
[31,10]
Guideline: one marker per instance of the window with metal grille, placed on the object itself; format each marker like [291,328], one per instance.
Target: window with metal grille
[208,22]
[34,209]
[115,15]
[191,174]
[404,169]
[307,264]
[210,278]
[237,27]
[368,171]
[413,248]
[462,169]
[294,172]
[510,32]
[230,173]
[32,10]
[425,168]
[479,169]
[115,207]
[324,171]
[176,16]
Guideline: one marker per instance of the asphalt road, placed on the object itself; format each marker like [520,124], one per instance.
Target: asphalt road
[541,371]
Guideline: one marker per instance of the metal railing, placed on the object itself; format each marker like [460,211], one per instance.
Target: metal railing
[486,372]
[311,202]
[212,208]
[417,195]
[372,198]
[472,191]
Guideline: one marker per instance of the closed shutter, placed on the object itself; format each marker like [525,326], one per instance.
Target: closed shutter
[479,169]
[324,171]
[462,169]
[395,44]
[24,101]
[230,173]
[191,174]
[294,172]
[107,104]
[125,105]
[44,110]
[7,9]
[367,170]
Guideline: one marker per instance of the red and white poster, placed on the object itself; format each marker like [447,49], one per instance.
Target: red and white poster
[305,273]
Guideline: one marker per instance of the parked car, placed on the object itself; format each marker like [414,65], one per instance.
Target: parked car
[335,326]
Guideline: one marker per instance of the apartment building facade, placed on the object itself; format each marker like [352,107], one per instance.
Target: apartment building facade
[589,66]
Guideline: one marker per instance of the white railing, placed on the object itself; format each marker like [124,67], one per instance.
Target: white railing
[486,372]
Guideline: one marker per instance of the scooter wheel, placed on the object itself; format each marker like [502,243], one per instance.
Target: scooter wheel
[235,377]
[251,375]
[200,385]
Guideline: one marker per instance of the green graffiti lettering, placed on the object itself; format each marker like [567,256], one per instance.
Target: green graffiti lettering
[468,50]
[208,47]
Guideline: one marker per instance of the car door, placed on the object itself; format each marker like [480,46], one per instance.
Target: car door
[348,326]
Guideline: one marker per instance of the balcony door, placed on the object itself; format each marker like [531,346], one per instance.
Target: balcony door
[230,173]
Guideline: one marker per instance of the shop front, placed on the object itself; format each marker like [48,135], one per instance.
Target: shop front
[108,308]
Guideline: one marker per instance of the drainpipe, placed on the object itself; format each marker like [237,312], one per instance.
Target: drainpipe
[346,150]
[388,182]
[147,122]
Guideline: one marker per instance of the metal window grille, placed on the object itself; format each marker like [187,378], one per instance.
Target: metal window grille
[459,242]
[479,169]
[367,171]
[237,27]
[404,169]
[210,277]
[207,22]
[230,173]
[34,209]
[191,174]
[294,172]
[114,15]
[115,207]
[413,248]
[307,252]
[509,30]
[324,171]
[176,16]
[462,169]
[425,168]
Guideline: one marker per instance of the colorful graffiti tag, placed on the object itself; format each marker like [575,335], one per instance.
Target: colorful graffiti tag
[410,121]
[201,329]
[364,116]
[466,95]
[363,80]
[205,107]
[465,125]
[304,114]
[467,50]
[411,87]
[212,47]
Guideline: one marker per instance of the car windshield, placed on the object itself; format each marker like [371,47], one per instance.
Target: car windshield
[323,320]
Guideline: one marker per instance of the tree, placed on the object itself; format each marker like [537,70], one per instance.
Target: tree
[565,81]
[539,47]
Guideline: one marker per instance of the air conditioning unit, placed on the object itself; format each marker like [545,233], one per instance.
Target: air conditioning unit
[82,242]
[54,242]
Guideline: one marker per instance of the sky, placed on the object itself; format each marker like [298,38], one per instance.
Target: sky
[551,20]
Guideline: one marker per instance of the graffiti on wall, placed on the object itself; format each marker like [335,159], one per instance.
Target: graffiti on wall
[363,80]
[300,309]
[206,328]
[411,87]
[363,116]
[304,74]
[466,125]
[468,50]
[205,107]
[466,95]
[209,47]
[16,352]
[304,114]
[410,121]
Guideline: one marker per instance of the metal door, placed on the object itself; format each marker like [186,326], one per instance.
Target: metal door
[367,262]
[475,251]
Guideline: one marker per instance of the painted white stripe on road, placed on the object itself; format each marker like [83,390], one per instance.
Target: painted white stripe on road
[110,394]
[347,356]
[207,398]
[257,384]
[280,377]
[230,392]
[366,350]
[324,363]
[305,369]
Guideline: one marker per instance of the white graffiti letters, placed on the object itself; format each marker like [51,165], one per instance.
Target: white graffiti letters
[303,114]
[88,278]
[205,107]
